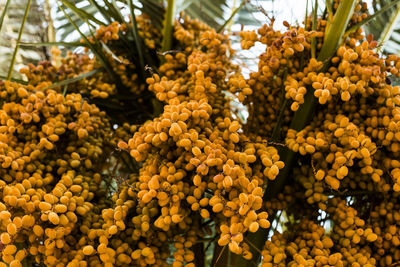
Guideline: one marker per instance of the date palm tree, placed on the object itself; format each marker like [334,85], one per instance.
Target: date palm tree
[74,17]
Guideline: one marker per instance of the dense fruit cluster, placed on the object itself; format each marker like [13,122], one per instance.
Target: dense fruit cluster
[45,74]
[50,192]
[197,163]
[150,192]
[349,148]
[123,77]
[285,60]
[287,68]
[350,241]
[349,135]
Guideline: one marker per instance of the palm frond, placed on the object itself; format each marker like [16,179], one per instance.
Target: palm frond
[73,80]
[249,13]
[21,29]
[76,10]
[34,31]
[386,26]
[232,16]
[103,12]
[96,49]
[4,12]
[65,44]
[155,10]
[209,11]
[213,12]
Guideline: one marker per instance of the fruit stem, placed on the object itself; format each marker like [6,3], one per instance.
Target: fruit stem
[168,26]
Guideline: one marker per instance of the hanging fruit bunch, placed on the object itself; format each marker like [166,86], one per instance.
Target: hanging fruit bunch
[53,149]
[347,150]
[106,162]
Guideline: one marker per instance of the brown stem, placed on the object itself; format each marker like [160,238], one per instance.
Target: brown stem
[199,258]
[220,256]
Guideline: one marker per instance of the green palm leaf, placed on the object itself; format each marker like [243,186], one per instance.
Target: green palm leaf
[213,12]
[21,29]
[386,27]
[209,11]
[101,13]
[248,14]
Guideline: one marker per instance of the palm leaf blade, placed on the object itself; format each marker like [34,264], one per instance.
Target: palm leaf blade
[11,68]
[75,79]
[3,14]
[385,25]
